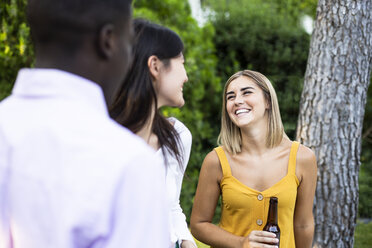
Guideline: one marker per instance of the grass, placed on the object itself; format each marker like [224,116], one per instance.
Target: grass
[363,236]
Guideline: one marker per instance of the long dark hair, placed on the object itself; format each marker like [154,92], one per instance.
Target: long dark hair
[137,99]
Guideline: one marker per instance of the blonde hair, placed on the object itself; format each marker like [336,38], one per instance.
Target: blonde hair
[230,135]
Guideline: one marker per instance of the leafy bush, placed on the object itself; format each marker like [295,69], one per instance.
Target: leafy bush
[365,174]
[15,44]
[254,35]
[365,188]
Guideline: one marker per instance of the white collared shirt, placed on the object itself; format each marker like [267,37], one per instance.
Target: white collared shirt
[69,175]
[174,177]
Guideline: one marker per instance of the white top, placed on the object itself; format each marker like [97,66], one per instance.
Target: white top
[174,177]
[69,175]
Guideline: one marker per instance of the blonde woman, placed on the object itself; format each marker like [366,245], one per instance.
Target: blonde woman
[255,161]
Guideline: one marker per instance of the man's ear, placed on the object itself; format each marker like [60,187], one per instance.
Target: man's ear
[153,63]
[107,41]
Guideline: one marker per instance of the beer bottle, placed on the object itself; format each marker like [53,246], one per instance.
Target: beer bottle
[272,218]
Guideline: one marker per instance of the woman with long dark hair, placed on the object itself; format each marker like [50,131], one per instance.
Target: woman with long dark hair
[156,79]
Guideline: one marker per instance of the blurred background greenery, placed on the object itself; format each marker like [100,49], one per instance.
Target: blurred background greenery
[263,35]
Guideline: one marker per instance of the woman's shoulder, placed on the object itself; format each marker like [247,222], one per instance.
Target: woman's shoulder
[180,128]
[212,164]
[305,154]
[212,157]
[306,160]
[185,137]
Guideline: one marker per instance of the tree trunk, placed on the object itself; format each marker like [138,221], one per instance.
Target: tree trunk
[331,113]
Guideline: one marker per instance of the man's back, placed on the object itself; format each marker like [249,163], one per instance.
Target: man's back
[69,175]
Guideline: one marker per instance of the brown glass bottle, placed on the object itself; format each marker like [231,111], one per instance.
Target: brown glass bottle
[272,219]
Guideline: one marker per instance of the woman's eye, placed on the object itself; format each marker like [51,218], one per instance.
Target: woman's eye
[247,92]
[230,97]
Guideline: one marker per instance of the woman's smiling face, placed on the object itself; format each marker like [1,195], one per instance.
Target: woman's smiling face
[170,83]
[245,102]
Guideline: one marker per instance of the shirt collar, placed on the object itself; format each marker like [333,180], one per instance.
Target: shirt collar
[39,83]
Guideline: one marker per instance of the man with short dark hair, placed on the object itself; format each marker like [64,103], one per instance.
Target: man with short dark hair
[69,175]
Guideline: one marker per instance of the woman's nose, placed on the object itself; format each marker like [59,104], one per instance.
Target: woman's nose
[238,100]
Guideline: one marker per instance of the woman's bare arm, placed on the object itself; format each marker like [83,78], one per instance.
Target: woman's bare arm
[303,216]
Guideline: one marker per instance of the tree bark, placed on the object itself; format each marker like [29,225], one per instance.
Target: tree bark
[332,111]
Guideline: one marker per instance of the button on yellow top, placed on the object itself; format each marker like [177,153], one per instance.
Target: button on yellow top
[259,222]
[259,197]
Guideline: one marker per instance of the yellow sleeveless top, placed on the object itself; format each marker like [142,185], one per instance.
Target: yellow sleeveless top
[244,209]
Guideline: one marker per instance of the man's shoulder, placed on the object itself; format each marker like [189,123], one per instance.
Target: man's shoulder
[126,143]
[127,153]
[133,156]
[4,104]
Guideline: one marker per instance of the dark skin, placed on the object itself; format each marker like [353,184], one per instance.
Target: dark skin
[102,57]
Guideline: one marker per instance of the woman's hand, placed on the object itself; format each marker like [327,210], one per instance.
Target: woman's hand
[187,244]
[260,239]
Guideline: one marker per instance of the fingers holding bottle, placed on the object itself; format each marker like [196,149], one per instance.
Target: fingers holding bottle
[258,239]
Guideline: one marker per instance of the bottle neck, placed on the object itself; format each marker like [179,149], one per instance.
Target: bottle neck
[273,212]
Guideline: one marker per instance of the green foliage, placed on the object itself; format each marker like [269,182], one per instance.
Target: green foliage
[365,188]
[365,174]
[293,8]
[255,35]
[202,92]
[15,45]
[363,237]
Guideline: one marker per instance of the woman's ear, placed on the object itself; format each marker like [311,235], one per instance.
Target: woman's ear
[268,104]
[153,63]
